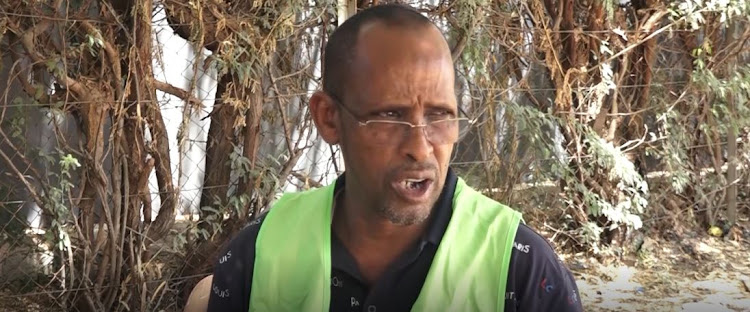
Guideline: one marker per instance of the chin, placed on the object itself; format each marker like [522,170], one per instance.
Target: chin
[406,215]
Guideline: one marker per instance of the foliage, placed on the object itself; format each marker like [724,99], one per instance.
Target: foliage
[588,96]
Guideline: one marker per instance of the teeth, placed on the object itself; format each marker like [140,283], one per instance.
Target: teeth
[412,183]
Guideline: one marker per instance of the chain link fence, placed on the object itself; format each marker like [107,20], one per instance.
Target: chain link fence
[113,199]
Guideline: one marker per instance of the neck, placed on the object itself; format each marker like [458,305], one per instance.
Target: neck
[373,241]
[362,226]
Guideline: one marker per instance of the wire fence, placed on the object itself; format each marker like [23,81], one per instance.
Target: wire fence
[117,191]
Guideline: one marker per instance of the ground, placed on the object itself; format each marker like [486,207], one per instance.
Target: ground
[690,272]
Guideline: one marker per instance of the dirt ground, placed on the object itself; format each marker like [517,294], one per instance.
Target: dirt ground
[679,272]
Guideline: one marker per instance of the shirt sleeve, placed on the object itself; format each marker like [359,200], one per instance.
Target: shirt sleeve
[233,271]
[537,279]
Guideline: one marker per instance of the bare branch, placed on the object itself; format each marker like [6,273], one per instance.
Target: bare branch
[27,41]
[112,55]
[459,47]
[178,92]
[21,177]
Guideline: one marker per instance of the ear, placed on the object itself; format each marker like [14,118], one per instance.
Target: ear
[325,115]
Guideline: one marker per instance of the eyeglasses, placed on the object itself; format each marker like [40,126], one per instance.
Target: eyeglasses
[437,131]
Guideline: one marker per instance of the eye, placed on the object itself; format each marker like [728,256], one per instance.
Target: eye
[441,114]
[391,114]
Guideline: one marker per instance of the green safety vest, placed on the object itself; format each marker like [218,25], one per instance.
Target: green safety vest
[293,255]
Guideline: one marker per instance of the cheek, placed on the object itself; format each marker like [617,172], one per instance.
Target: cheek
[443,154]
[364,155]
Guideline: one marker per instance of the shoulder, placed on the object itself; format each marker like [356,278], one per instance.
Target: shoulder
[233,270]
[535,254]
[527,240]
[244,240]
[239,252]
[540,279]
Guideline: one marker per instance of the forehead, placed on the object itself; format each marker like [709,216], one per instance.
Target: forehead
[394,64]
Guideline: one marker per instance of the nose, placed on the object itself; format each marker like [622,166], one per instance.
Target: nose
[416,145]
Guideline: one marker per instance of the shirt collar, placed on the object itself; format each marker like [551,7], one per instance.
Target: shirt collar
[441,212]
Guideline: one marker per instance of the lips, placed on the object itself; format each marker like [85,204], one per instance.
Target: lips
[413,188]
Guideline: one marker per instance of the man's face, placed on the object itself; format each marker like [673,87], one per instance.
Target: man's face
[400,75]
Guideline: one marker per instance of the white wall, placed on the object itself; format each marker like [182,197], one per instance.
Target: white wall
[174,65]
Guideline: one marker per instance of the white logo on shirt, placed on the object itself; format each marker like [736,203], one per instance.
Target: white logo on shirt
[221,293]
[336,282]
[225,257]
[523,248]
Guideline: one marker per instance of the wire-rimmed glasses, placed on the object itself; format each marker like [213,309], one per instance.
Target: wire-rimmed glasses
[437,131]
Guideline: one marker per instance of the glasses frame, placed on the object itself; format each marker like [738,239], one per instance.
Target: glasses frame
[365,123]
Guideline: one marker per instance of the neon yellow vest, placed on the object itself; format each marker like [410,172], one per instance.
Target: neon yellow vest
[293,255]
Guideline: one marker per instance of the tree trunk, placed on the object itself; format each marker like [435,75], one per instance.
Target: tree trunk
[731,200]
[218,149]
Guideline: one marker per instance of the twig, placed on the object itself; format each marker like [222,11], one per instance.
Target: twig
[22,178]
[654,18]
[636,142]
[178,92]
[460,45]
[558,231]
[306,179]
[27,42]
[284,122]
[112,55]
[23,158]
[27,86]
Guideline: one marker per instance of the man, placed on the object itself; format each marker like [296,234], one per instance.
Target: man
[398,231]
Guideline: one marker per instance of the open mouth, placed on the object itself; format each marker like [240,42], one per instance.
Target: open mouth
[413,184]
[412,189]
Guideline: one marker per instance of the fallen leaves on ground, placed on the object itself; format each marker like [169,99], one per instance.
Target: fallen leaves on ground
[688,273]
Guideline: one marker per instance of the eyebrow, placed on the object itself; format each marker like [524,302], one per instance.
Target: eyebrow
[441,106]
[384,106]
[405,105]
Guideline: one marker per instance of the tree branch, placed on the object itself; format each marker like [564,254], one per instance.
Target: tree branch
[178,92]
[464,35]
[112,55]
[459,47]
[27,42]
[22,178]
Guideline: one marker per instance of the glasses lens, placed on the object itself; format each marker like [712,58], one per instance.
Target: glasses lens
[385,133]
[447,131]
[464,127]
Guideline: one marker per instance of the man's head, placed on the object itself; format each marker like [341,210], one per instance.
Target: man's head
[389,64]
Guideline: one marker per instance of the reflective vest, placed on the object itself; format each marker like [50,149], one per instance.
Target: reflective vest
[468,273]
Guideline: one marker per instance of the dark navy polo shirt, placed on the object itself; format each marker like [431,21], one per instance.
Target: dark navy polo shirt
[537,279]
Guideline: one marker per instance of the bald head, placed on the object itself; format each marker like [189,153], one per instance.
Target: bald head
[393,65]
[389,63]
[367,33]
